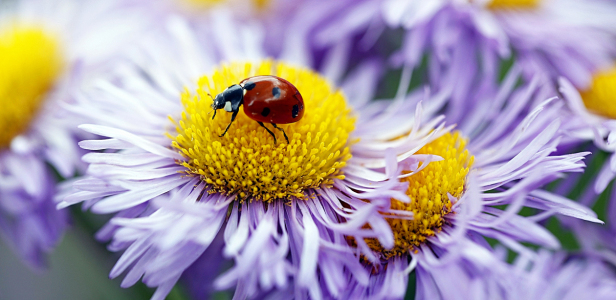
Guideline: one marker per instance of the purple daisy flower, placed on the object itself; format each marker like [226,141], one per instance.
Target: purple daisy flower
[590,130]
[471,192]
[197,9]
[567,38]
[289,26]
[591,118]
[559,276]
[592,123]
[47,49]
[176,184]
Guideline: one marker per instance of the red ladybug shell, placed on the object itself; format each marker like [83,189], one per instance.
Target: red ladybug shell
[272,99]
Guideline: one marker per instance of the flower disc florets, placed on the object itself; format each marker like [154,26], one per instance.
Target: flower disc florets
[429,190]
[601,96]
[246,161]
[513,4]
[257,4]
[30,62]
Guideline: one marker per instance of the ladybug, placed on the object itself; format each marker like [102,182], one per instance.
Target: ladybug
[265,98]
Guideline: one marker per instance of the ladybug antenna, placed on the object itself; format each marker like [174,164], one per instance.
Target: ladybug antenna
[213,106]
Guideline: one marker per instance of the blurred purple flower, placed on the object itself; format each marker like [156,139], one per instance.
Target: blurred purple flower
[549,38]
[586,125]
[562,276]
[594,240]
[49,50]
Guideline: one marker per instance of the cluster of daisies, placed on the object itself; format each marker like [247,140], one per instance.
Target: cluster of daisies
[441,150]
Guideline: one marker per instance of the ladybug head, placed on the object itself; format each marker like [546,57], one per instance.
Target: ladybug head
[219,102]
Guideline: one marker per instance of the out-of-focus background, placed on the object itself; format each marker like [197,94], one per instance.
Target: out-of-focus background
[77,269]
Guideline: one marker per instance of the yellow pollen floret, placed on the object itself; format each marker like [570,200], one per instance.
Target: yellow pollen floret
[205,3]
[30,62]
[513,4]
[246,162]
[429,190]
[257,4]
[600,98]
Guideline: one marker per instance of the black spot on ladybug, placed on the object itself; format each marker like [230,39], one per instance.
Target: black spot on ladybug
[265,112]
[295,111]
[249,85]
[276,92]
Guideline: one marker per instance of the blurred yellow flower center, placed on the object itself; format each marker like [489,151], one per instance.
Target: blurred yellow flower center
[246,162]
[429,190]
[30,62]
[205,2]
[258,4]
[600,98]
[513,4]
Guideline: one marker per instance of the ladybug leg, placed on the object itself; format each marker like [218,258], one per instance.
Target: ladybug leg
[285,134]
[232,119]
[270,132]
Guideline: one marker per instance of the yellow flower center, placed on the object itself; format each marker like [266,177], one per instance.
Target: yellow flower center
[600,98]
[30,62]
[204,4]
[429,190]
[513,4]
[246,161]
